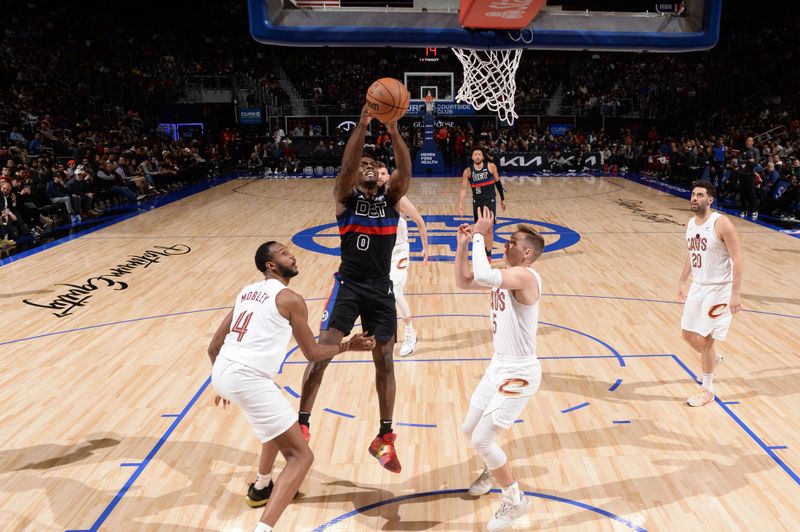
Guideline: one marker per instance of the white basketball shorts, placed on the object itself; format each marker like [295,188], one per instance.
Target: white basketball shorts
[399,271]
[504,391]
[706,310]
[258,397]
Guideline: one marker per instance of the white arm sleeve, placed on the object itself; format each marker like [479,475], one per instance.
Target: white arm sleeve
[484,274]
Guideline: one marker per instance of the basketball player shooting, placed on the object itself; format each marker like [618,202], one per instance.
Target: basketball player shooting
[716,264]
[514,373]
[367,216]
[245,357]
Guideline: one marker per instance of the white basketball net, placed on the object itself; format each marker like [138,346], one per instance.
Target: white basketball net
[490,80]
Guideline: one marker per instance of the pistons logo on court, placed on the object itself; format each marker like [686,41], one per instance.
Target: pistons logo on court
[442,237]
[717,310]
[512,387]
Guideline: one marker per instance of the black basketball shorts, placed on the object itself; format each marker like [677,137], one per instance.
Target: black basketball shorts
[478,203]
[372,299]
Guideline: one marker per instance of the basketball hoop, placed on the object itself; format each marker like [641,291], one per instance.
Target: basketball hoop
[490,80]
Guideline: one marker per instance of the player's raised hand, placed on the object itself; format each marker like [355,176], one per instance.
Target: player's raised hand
[366,118]
[359,342]
[464,235]
[391,127]
[485,221]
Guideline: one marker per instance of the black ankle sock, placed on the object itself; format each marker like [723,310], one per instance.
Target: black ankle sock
[489,253]
[386,427]
[302,418]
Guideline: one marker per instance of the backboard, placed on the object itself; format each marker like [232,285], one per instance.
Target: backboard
[631,25]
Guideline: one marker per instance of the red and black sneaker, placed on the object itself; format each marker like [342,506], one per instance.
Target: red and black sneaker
[382,448]
[306,432]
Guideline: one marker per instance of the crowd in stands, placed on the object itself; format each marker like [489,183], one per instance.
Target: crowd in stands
[77,119]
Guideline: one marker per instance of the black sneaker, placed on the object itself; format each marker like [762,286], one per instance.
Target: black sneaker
[256,498]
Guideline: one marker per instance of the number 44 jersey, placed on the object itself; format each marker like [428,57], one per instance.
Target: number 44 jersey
[259,334]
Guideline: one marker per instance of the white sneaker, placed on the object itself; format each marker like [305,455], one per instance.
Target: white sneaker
[700,399]
[508,513]
[408,345]
[482,484]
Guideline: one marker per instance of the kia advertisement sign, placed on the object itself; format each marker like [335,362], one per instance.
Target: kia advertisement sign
[528,162]
[533,162]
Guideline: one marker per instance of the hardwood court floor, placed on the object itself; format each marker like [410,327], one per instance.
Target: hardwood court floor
[108,420]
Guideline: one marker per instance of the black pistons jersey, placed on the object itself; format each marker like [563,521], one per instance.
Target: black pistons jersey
[482,183]
[368,229]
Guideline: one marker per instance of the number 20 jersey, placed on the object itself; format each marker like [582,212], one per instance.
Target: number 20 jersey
[708,255]
[368,230]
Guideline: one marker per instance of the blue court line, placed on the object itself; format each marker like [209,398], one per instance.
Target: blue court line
[476,359]
[109,324]
[767,449]
[343,414]
[775,447]
[291,392]
[570,409]
[645,300]
[762,312]
[121,493]
[146,206]
[599,341]
[170,415]
[621,421]
[614,352]
[730,402]
[402,360]
[615,385]
[150,455]
[130,464]
[336,520]
[423,425]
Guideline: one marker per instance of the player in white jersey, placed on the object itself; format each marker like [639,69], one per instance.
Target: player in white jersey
[716,264]
[514,374]
[400,259]
[246,353]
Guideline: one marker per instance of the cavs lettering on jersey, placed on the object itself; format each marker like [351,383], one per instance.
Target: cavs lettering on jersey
[482,182]
[514,326]
[368,229]
[259,334]
[708,255]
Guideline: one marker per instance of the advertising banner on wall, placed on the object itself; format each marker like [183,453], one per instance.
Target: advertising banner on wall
[251,116]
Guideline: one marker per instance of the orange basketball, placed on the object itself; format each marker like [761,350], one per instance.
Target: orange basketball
[388,99]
